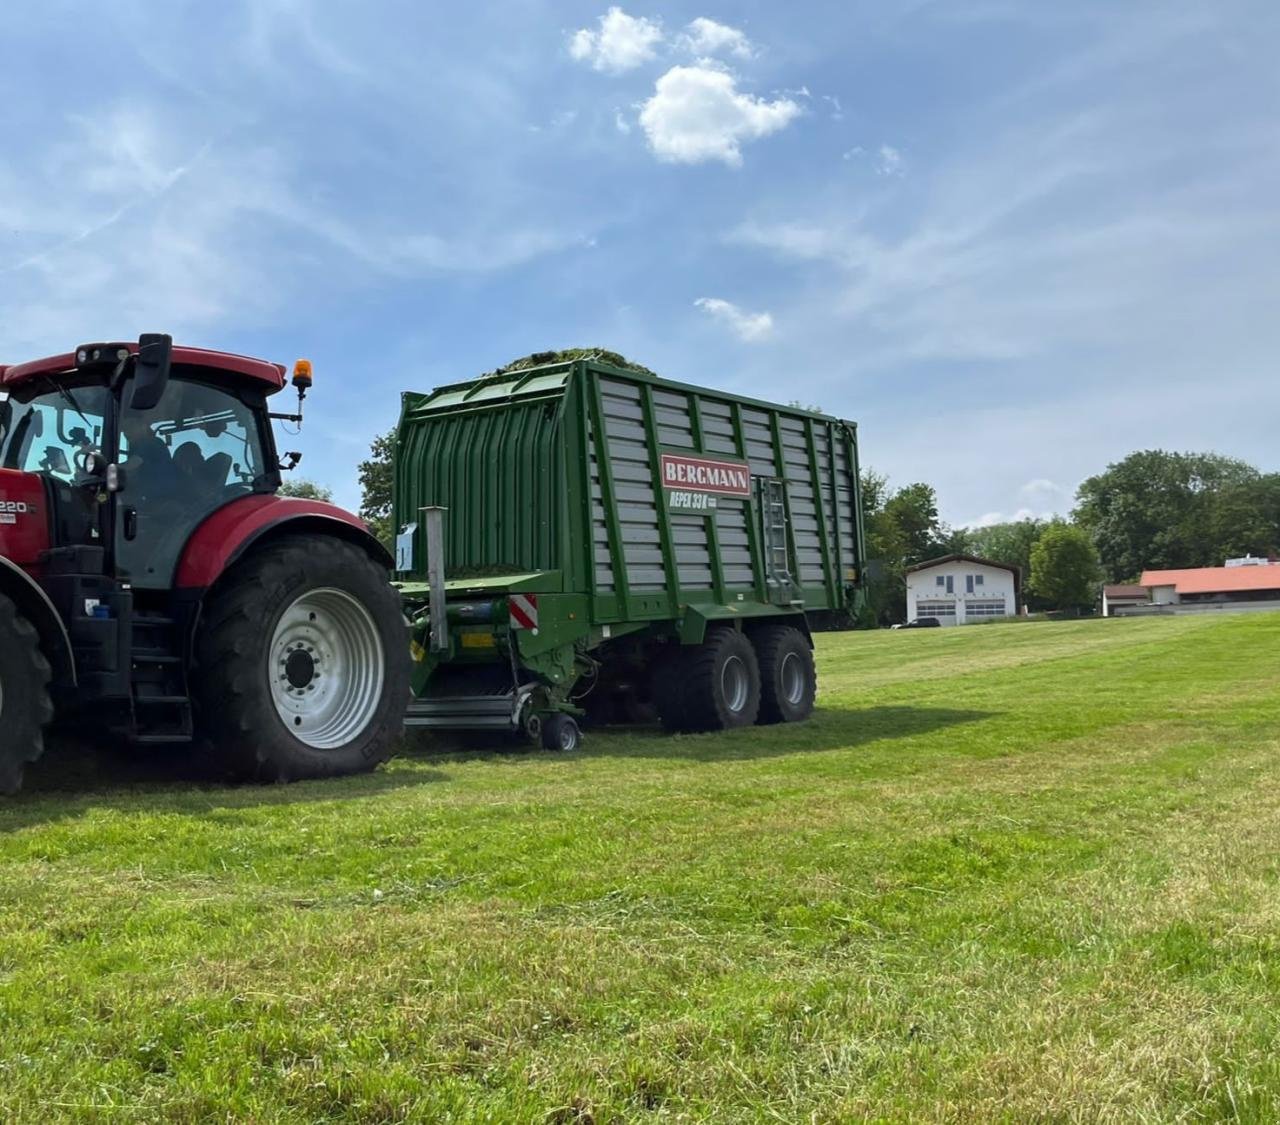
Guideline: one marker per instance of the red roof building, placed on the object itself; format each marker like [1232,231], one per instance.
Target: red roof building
[1214,586]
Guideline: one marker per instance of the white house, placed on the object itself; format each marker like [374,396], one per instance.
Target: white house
[962,588]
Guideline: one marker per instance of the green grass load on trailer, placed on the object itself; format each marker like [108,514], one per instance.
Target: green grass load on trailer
[613,538]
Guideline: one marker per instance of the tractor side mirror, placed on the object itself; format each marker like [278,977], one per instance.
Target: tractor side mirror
[151,370]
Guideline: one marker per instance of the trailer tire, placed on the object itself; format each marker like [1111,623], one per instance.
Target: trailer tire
[788,678]
[561,732]
[292,613]
[25,706]
[721,683]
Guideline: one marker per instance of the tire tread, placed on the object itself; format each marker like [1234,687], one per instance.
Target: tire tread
[27,745]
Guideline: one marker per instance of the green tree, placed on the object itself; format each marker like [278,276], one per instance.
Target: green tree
[886,549]
[1009,543]
[375,475]
[1064,568]
[1159,510]
[302,489]
[914,510]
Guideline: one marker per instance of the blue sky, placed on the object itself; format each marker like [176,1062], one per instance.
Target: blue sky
[1013,240]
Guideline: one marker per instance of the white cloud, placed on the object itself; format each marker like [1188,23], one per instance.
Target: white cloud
[558,123]
[889,161]
[990,519]
[886,160]
[1042,487]
[279,28]
[159,229]
[750,327]
[706,37]
[696,114]
[620,122]
[623,42]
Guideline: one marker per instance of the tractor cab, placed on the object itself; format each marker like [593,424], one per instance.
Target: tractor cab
[141,534]
[135,446]
[124,451]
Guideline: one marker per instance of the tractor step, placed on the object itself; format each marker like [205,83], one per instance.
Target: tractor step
[152,619]
[161,705]
[153,656]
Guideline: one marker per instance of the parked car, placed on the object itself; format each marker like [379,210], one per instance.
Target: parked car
[919,623]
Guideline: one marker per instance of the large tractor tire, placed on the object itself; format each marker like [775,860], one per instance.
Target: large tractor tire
[788,679]
[713,686]
[25,706]
[302,663]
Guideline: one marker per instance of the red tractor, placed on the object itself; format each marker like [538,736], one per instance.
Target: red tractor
[153,583]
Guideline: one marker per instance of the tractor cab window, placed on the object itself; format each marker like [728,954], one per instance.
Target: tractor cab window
[199,440]
[53,428]
[200,448]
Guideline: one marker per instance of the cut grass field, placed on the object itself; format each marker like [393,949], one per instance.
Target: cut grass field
[1019,872]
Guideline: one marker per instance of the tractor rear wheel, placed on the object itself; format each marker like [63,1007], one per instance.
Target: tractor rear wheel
[788,680]
[25,706]
[303,663]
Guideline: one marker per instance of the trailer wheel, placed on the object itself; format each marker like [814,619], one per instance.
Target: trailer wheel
[560,732]
[25,706]
[302,663]
[721,683]
[788,679]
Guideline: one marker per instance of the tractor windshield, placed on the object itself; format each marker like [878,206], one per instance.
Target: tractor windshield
[45,427]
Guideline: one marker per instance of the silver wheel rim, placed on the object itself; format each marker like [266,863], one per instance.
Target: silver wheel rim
[568,737]
[792,675]
[734,683]
[326,667]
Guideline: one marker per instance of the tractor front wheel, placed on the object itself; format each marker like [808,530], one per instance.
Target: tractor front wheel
[303,663]
[25,707]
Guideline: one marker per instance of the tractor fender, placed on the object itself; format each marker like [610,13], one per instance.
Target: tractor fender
[34,604]
[223,539]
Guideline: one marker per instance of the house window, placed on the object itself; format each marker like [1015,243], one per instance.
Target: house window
[991,607]
[951,586]
[977,579]
[940,581]
[941,610]
[968,583]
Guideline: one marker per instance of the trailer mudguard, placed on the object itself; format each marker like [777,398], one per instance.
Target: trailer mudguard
[695,619]
[225,536]
[34,604]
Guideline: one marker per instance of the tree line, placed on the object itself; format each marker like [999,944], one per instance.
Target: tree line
[1153,510]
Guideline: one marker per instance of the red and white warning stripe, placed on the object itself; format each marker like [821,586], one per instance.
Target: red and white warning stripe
[524,611]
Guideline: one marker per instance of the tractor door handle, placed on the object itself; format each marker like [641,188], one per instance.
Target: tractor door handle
[131,524]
